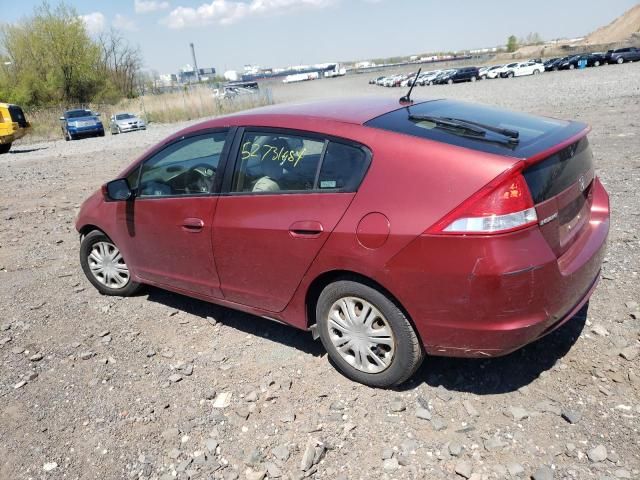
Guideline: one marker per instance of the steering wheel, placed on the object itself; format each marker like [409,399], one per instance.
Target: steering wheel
[200,178]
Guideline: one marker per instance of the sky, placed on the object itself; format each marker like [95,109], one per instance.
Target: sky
[276,33]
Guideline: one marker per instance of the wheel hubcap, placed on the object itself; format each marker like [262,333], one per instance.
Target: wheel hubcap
[107,265]
[361,334]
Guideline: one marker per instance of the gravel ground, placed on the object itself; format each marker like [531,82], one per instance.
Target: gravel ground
[162,386]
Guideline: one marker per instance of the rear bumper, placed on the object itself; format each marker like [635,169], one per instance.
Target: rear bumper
[488,296]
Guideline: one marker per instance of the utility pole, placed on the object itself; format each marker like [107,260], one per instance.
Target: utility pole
[195,63]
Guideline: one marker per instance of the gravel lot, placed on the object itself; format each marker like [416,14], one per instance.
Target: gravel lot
[109,388]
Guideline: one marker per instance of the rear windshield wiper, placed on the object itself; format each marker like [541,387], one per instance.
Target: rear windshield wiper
[467,127]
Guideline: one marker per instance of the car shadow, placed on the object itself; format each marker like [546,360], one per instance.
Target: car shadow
[15,150]
[501,374]
[472,375]
[244,322]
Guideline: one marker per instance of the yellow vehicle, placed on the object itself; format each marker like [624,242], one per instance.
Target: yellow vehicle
[13,125]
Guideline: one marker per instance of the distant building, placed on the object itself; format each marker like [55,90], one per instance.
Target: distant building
[188,74]
[231,75]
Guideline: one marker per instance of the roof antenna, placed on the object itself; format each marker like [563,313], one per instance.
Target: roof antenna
[407,97]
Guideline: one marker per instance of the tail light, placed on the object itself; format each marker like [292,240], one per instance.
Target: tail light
[504,205]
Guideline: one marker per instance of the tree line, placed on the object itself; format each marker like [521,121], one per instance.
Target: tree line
[49,58]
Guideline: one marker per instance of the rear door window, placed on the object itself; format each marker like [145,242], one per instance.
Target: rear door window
[276,162]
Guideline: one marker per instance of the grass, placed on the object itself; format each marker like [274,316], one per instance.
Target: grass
[173,107]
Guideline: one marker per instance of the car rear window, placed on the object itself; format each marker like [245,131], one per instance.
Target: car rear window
[535,133]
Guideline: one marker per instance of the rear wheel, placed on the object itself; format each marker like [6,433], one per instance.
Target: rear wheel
[473,79]
[572,66]
[536,72]
[105,267]
[368,338]
[4,148]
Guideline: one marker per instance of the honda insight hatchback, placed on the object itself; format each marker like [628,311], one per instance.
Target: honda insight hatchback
[390,230]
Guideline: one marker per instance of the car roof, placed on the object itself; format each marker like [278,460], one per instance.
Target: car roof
[347,110]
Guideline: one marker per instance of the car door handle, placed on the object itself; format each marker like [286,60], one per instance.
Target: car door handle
[306,229]
[192,225]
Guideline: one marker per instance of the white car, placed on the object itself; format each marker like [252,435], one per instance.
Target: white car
[501,72]
[125,122]
[490,72]
[522,69]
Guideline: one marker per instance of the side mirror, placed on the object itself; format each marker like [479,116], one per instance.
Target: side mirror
[117,190]
[62,118]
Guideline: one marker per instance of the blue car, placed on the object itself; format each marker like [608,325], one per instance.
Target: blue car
[81,123]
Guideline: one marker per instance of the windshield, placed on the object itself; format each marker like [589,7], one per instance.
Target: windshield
[78,113]
[124,116]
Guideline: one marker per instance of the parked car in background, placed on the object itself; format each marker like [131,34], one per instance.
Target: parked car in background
[13,125]
[408,80]
[522,69]
[550,63]
[491,72]
[595,59]
[501,71]
[569,63]
[621,55]
[126,122]
[311,220]
[465,74]
[430,77]
[81,123]
[375,81]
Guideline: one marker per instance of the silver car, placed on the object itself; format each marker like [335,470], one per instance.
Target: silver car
[126,122]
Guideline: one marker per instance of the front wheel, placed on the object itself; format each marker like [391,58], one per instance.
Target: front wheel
[367,336]
[596,63]
[510,75]
[105,267]
[473,79]
[620,60]
[450,82]
[5,147]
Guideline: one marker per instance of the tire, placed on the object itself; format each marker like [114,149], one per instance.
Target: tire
[555,69]
[596,63]
[473,79]
[4,148]
[113,281]
[450,82]
[620,60]
[572,66]
[405,352]
[536,72]
[483,77]
[68,137]
[510,75]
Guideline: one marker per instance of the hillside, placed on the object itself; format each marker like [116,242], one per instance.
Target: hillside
[618,30]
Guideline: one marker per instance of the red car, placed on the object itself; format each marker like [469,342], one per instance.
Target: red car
[390,230]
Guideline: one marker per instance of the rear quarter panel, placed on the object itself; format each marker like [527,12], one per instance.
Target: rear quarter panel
[413,182]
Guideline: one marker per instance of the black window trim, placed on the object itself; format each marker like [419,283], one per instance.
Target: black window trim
[224,155]
[311,135]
